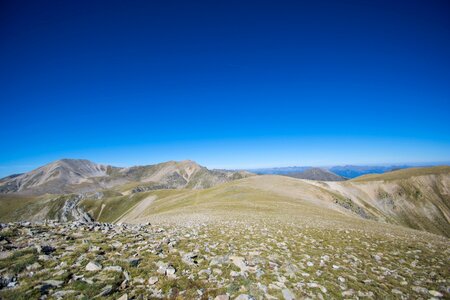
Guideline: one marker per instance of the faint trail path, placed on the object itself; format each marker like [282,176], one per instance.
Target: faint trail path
[135,211]
[101,210]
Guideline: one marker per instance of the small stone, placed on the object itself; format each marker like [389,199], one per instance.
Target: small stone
[93,266]
[54,283]
[139,280]
[123,297]
[62,294]
[113,268]
[239,262]
[222,297]
[244,297]
[335,267]
[436,293]
[8,281]
[33,267]
[44,257]
[234,274]
[419,289]
[134,262]
[45,249]
[397,292]
[126,275]
[152,280]
[105,291]
[348,293]
[170,271]
[287,294]
[5,254]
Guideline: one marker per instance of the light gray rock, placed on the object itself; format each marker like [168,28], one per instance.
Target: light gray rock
[105,291]
[54,283]
[123,297]
[152,280]
[62,294]
[436,294]
[244,297]
[377,257]
[287,294]
[34,267]
[5,254]
[170,271]
[113,268]
[239,262]
[420,290]
[348,293]
[93,266]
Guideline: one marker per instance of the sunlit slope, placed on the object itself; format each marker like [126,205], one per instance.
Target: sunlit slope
[415,198]
[419,202]
[258,196]
[404,174]
[418,198]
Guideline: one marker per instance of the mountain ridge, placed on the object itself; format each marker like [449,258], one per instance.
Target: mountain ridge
[81,175]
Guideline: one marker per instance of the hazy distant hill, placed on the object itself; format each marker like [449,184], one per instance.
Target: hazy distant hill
[316,174]
[348,171]
[355,171]
[278,170]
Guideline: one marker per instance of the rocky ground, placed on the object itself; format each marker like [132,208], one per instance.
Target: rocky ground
[229,259]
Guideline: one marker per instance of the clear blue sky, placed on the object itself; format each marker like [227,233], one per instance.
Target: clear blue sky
[226,83]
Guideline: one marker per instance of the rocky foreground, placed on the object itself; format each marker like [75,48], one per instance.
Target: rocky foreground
[221,260]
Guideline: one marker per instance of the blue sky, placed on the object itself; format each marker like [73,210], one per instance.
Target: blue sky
[228,84]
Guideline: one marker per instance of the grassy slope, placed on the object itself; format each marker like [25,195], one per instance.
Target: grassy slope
[418,198]
[281,197]
[28,208]
[419,202]
[404,174]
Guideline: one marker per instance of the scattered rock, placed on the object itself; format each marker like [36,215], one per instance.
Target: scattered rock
[93,266]
[113,268]
[45,249]
[152,280]
[436,293]
[244,297]
[5,254]
[123,297]
[105,291]
[287,294]
[134,262]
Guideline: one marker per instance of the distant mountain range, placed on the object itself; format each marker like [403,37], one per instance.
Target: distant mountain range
[81,175]
[351,171]
[332,173]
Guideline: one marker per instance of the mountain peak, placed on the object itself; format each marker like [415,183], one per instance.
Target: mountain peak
[82,175]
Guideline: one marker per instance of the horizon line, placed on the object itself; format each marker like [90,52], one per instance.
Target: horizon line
[294,165]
